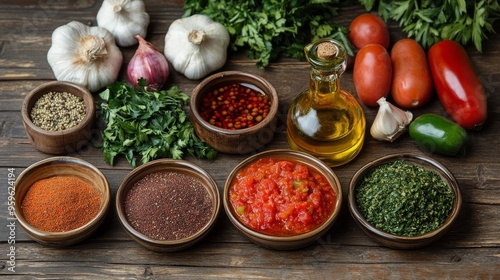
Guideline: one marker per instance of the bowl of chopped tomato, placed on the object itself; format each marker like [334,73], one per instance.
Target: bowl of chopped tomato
[282,199]
[234,112]
[404,201]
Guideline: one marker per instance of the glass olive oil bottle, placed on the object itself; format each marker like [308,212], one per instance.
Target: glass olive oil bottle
[325,120]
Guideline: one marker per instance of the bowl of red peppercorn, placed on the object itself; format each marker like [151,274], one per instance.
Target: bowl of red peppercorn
[404,201]
[58,117]
[282,199]
[168,205]
[60,201]
[234,112]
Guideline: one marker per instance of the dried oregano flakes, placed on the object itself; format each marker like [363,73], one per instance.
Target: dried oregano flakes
[403,198]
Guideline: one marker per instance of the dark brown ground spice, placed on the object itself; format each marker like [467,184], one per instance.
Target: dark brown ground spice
[168,206]
[60,203]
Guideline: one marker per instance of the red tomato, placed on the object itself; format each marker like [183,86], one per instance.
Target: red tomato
[411,78]
[457,84]
[368,29]
[372,74]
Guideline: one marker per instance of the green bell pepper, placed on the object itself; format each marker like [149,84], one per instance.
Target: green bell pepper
[439,135]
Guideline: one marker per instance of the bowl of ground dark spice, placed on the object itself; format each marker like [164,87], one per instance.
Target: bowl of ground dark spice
[404,201]
[234,112]
[61,201]
[58,117]
[168,205]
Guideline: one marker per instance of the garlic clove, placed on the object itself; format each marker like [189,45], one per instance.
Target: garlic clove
[390,121]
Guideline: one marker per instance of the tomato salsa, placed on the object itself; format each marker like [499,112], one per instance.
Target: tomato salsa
[281,197]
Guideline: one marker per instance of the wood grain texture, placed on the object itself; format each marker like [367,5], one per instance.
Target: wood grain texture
[470,250]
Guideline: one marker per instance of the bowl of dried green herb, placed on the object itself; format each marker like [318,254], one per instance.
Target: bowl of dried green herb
[60,201]
[168,205]
[404,201]
[58,117]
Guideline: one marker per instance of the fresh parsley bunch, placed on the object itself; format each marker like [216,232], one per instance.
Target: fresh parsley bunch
[267,29]
[152,124]
[429,22]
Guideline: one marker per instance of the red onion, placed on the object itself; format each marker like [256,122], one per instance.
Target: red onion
[148,63]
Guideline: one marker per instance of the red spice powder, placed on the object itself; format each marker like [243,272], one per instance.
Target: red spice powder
[60,203]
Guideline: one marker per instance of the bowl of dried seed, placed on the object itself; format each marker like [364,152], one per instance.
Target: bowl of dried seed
[58,117]
[168,205]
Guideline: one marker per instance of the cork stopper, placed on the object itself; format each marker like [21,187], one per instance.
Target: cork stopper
[327,51]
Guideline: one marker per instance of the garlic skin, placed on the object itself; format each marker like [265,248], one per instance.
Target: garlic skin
[84,55]
[196,45]
[124,19]
[390,121]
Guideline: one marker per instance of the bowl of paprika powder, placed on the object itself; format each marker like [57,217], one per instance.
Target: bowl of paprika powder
[234,111]
[61,200]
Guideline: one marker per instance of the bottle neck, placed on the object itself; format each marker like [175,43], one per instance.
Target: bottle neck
[327,60]
[324,83]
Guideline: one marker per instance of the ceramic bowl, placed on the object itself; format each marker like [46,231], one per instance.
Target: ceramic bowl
[288,242]
[404,242]
[178,167]
[62,166]
[237,141]
[65,141]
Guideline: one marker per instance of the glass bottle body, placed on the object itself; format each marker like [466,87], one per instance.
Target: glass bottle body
[325,120]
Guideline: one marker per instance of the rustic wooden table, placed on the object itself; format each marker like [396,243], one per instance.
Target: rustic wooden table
[471,249]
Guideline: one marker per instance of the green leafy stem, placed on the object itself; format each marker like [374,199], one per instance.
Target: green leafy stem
[151,124]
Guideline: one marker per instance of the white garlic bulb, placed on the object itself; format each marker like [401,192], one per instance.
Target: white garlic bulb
[196,45]
[84,55]
[125,19]
[390,121]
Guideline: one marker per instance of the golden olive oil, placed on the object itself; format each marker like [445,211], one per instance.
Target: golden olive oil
[325,120]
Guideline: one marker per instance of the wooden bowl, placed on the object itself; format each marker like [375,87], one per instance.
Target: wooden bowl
[289,241]
[178,167]
[238,141]
[62,166]
[397,241]
[64,141]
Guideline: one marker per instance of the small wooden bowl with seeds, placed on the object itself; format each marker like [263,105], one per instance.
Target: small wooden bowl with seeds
[58,117]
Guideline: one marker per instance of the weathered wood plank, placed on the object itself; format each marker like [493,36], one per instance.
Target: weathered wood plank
[249,262]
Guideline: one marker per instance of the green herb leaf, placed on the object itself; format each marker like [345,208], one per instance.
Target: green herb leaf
[429,22]
[150,124]
[268,29]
